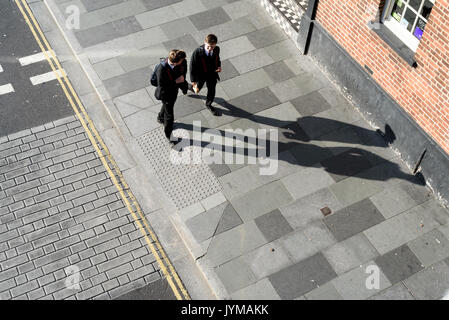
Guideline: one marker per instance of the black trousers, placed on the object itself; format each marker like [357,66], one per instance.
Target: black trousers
[167,116]
[211,83]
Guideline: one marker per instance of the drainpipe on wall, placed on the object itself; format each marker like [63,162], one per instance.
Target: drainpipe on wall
[306,27]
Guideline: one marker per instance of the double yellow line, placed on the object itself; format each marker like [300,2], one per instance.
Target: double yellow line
[106,158]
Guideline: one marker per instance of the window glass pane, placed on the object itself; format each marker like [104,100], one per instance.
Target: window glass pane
[425,12]
[415,4]
[398,8]
[409,19]
[419,28]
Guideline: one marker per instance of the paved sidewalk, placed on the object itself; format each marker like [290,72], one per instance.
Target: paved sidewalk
[341,200]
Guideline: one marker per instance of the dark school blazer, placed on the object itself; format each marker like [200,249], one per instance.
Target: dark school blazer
[198,65]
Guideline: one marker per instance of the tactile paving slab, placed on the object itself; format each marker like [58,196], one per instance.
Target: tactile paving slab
[185,184]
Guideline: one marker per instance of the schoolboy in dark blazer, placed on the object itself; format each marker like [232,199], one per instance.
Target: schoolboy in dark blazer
[205,65]
[170,77]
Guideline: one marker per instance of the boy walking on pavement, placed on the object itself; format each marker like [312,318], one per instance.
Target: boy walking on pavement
[170,77]
[204,68]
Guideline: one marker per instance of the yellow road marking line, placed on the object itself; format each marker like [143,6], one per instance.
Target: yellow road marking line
[102,158]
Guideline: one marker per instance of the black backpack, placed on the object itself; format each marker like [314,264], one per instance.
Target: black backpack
[153,79]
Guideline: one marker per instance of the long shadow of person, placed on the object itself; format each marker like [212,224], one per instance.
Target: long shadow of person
[294,136]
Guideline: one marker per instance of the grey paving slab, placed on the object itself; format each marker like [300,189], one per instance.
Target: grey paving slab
[230,219]
[228,70]
[324,292]
[145,57]
[186,105]
[133,102]
[282,50]
[261,290]
[235,47]
[233,243]
[277,116]
[110,13]
[177,28]
[302,244]
[396,292]
[352,285]
[430,248]
[252,102]
[302,277]
[209,18]
[286,165]
[279,71]
[95,5]
[265,37]
[246,83]
[273,225]
[306,210]
[352,252]
[155,4]
[266,260]
[310,104]
[251,61]
[141,122]
[240,182]
[185,42]
[399,264]
[431,283]
[306,181]
[238,9]
[392,201]
[203,226]
[127,82]
[353,219]
[354,189]
[213,222]
[157,17]
[219,169]
[402,228]
[188,7]
[285,90]
[108,69]
[261,201]
[235,275]
[108,31]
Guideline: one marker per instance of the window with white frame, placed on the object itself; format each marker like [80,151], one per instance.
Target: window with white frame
[407,19]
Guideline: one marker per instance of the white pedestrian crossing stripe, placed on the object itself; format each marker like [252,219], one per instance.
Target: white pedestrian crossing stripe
[47,77]
[1,69]
[7,88]
[41,56]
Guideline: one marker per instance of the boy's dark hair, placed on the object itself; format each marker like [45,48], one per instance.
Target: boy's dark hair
[175,55]
[211,39]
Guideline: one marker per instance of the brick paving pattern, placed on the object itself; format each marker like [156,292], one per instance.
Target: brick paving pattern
[58,209]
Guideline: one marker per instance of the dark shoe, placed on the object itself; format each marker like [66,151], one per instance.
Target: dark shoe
[161,121]
[211,109]
[175,144]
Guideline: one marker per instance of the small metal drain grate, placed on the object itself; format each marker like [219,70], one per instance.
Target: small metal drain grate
[185,184]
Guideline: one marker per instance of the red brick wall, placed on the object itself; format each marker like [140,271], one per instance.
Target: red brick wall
[423,92]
